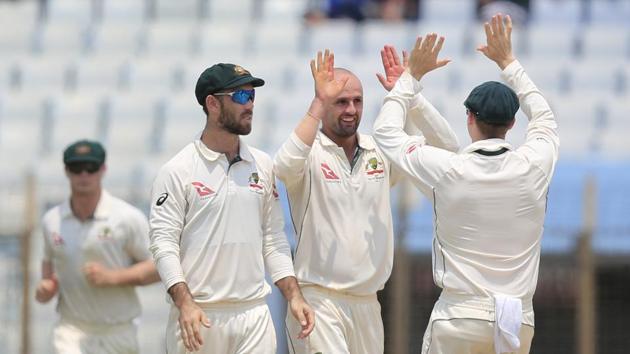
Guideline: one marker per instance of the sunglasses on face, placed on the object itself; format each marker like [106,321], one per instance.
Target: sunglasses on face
[89,167]
[239,96]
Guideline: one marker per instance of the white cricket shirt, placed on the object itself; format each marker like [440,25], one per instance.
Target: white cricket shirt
[488,210]
[342,214]
[116,237]
[217,227]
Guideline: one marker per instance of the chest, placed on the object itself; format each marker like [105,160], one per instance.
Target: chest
[367,173]
[92,240]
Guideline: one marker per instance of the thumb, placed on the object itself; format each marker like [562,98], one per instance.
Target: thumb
[381,79]
[205,321]
[300,316]
[443,62]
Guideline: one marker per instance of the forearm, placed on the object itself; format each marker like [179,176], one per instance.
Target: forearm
[308,126]
[181,295]
[432,125]
[141,273]
[289,288]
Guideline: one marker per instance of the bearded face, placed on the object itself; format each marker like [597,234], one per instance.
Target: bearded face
[235,118]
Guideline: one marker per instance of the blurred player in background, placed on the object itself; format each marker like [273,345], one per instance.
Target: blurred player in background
[217,225]
[338,185]
[95,253]
[489,200]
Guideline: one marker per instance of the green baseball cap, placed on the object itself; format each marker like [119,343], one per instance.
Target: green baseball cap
[84,151]
[493,102]
[223,76]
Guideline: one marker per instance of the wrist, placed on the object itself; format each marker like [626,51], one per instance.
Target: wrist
[505,62]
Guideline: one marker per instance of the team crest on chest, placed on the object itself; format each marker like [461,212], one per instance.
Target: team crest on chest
[105,233]
[374,169]
[255,183]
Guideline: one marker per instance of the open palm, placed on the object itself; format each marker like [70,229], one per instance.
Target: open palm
[322,68]
[392,66]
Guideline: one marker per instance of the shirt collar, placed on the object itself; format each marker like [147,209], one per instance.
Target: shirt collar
[488,145]
[365,143]
[103,208]
[210,155]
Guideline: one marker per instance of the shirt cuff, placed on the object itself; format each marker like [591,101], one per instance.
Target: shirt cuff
[407,84]
[299,144]
[510,70]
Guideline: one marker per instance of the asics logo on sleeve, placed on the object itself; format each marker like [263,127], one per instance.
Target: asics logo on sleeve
[161,199]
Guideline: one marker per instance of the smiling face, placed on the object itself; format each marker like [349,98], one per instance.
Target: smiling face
[344,115]
[236,118]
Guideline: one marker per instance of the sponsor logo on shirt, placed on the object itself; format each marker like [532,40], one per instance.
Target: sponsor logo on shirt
[105,234]
[411,149]
[57,239]
[328,173]
[255,183]
[202,190]
[161,199]
[374,169]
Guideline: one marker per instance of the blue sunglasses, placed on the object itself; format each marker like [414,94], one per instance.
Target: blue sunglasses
[239,96]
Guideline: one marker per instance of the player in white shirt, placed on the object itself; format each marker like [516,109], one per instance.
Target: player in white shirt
[95,253]
[338,184]
[217,225]
[489,200]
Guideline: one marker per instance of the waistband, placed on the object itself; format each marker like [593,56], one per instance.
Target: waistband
[98,328]
[339,294]
[229,305]
[478,302]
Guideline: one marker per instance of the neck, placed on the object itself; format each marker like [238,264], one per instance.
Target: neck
[221,141]
[349,144]
[84,205]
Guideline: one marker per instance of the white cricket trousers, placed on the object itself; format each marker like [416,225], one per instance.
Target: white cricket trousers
[464,324]
[74,337]
[235,328]
[344,324]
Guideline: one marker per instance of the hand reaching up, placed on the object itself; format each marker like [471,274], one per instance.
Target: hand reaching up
[326,87]
[424,56]
[392,66]
[499,41]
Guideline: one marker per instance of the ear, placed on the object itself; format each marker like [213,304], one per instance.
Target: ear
[471,119]
[511,124]
[212,103]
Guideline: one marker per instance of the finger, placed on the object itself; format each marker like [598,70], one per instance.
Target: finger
[384,59]
[197,341]
[488,29]
[405,58]
[331,64]
[483,49]
[442,62]
[508,26]
[439,45]
[313,68]
[319,60]
[205,321]
[182,328]
[310,324]
[495,25]
[418,43]
[500,26]
[429,38]
[381,79]
[394,55]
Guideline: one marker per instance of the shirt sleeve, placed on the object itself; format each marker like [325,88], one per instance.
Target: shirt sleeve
[48,253]
[542,141]
[138,241]
[166,222]
[434,127]
[423,163]
[291,161]
[276,249]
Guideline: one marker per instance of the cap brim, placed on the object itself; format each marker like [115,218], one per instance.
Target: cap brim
[83,159]
[254,81]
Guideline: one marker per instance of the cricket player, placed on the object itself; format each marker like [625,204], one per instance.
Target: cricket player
[95,253]
[217,225]
[489,200]
[338,185]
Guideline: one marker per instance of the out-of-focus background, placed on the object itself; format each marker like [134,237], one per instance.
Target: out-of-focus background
[123,72]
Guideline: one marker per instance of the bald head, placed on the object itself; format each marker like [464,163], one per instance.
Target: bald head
[343,117]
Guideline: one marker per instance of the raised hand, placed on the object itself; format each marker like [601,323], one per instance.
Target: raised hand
[424,56]
[499,41]
[326,87]
[392,66]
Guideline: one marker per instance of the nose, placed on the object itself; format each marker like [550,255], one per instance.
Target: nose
[351,108]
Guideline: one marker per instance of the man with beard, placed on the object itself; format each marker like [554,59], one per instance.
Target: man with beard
[338,184]
[216,225]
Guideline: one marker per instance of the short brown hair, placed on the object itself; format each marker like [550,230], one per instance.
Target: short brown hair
[493,130]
